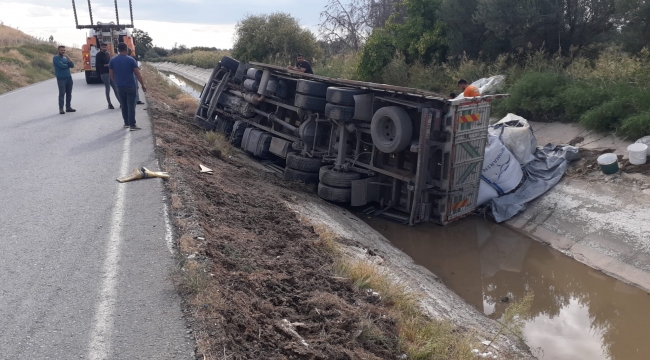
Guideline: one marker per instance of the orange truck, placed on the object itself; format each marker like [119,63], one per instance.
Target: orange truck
[111,33]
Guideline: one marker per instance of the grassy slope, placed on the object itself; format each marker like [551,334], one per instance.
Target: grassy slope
[24,60]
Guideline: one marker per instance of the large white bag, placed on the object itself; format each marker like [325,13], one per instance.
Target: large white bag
[487,86]
[500,167]
[517,135]
[485,193]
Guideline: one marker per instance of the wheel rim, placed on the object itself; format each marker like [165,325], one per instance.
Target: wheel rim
[387,128]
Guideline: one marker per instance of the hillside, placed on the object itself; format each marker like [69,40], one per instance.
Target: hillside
[26,60]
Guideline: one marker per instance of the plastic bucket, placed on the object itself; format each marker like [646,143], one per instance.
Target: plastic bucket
[638,153]
[608,163]
[645,140]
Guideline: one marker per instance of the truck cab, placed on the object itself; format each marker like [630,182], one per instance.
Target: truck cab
[110,34]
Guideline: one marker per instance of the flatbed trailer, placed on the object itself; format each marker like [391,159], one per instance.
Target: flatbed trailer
[414,154]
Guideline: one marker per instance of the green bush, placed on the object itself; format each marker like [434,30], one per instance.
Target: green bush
[580,97]
[637,125]
[41,63]
[606,116]
[535,96]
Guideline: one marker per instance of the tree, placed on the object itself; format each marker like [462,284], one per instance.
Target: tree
[348,24]
[160,51]
[414,30]
[351,23]
[51,39]
[274,38]
[143,41]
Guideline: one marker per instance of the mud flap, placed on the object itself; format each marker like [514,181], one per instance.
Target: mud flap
[363,108]
[365,191]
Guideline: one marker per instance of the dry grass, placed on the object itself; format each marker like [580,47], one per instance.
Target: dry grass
[187,244]
[420,336]
[188,104]
[221,147]
[176,202]
[25,60]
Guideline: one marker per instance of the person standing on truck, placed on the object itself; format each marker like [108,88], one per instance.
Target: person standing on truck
[302,65]
[137,88]
[468,90]
[62,66]
[121,70]
[101,63]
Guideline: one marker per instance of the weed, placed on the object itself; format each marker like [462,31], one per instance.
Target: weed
[221,147]
[420,336]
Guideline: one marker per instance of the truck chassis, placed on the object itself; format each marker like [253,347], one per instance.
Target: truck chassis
[413,153]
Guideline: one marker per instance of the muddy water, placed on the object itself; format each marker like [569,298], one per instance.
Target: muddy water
[185,84]
[577,313]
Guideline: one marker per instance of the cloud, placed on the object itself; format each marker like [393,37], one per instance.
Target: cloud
[189,22]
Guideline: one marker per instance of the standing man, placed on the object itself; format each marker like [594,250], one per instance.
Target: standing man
[62,66]
[137,88]
[302,65]
[101,63]
[468,90]
[121,70]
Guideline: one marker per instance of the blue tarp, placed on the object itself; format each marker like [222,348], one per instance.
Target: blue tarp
[541,175]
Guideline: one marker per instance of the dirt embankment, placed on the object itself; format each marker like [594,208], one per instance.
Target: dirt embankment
[264,279]
[24,60]
[259,285]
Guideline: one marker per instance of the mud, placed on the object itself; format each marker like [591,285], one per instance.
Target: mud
[577,313]
[273,293]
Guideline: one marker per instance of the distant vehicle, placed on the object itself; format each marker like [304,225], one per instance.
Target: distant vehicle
[111,33]
[412,155]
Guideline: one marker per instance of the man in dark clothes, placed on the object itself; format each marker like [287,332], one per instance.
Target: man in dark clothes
[101,63]
[121,70]
[62,66]
[302,65]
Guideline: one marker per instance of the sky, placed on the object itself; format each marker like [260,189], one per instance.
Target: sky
[189,22]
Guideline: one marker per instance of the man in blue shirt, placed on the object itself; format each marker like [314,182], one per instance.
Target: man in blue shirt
[121,70]
[62,66]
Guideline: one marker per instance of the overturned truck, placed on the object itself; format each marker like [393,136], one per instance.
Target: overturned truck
[415,155]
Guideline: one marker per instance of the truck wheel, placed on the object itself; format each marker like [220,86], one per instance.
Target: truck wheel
[334,194]
[310,102]
[313,88]
[89,79]
[343,96]
[391,129]
[229,63]
[328,176]
[237,133]
[303,163]
[337,112]
[302,176]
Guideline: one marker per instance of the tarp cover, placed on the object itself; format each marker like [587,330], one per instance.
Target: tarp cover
[543,173]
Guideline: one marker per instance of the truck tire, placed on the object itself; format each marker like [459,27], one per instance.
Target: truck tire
[391,129]
[313,88]
[313,103]
[328,176]
[229,63]
[338,112]
[334,194]
[302,176]
[302,163]
[343,96]
[237,133]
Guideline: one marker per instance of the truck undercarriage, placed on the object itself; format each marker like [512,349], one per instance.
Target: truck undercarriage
[413,154]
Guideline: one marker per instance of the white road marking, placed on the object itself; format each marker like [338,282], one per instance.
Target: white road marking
[26,87]
[169,235]
[101,335]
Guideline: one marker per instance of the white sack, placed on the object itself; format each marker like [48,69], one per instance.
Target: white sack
[485,193]
[500,167]
[517,135]
[487,86]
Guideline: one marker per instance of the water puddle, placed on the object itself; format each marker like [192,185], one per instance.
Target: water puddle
[578,313]
[186,85]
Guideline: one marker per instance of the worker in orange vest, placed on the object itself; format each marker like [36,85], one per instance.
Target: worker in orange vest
[468,90]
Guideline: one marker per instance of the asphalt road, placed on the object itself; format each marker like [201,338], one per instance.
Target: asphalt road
[84,260]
